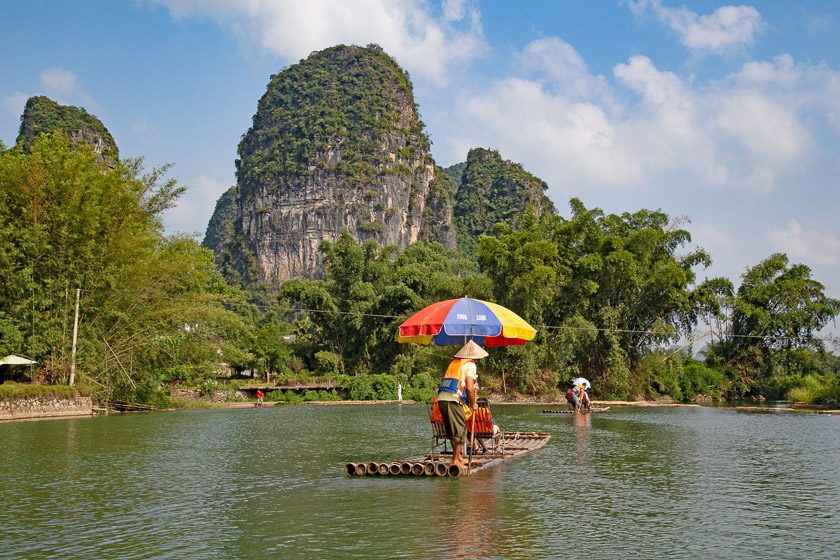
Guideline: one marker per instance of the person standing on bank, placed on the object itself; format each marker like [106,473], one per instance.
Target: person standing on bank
[459,386]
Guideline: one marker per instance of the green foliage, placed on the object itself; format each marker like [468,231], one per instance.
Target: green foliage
[492,191]
[372,387]
[42,115]
[11,338]
[775,316]
[699,379]
[455,173]
[148,303]
[221,229]
[366,293]
[328,362]
[361,388]
[321,396]
[287,397]
[12,390]
[340,100]
[655,376]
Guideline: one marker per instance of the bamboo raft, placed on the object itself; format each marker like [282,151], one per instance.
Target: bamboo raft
[567,411]
[513,445]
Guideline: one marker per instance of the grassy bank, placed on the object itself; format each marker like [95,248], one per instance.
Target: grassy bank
[12,390]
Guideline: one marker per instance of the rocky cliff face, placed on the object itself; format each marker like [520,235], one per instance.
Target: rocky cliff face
[42,115]
[336,143]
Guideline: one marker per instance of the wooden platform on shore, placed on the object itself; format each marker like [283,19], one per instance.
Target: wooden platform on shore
[513,445]
[567,411]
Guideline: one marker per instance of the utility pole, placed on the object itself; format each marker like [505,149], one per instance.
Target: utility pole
[75,337]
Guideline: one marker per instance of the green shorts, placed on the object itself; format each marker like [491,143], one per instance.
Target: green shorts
[454,420]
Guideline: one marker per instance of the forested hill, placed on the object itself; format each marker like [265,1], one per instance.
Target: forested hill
[336,143]
[493,191]
[42,115]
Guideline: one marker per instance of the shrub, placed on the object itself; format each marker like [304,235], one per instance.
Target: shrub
[208,388]
[699,379]
[372,387]
[360,388]
[328,362]
[280,396]
[419,394]
[384,387]
[12,390]
[324,396]
[831,391]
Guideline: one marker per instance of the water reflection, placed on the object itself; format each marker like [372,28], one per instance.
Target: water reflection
[469,513]
[582,423]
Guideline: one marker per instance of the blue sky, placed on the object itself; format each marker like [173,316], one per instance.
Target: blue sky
[727,115]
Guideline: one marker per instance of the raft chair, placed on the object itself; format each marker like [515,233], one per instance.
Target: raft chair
[439,438]
[484,428]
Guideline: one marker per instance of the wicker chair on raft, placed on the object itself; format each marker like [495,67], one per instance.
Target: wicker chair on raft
[485,437]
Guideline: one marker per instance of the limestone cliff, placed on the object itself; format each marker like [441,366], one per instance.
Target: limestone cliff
[42,115]
[336,143]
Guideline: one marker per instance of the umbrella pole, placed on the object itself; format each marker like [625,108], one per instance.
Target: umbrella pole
[472,439]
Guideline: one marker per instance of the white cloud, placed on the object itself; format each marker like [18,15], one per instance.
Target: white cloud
[63,86]
[808,245]
[649,126]
[800,85]
[59,81]
[454,10]
[419,40]
[196,206]
[770,136]
[560,65]
[59,84]
[726,28]
[15,102]
[713,239]
[143,129]
[526,122]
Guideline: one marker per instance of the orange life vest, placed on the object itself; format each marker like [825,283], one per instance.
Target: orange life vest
[454,380]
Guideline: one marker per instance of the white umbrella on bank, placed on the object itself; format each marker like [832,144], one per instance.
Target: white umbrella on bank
[15,360]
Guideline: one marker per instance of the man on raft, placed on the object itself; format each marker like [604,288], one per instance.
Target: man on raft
[458,387]
[578,398]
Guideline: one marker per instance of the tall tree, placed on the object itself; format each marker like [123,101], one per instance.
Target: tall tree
[148,302]
[778,310]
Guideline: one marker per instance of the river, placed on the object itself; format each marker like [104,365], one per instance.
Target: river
[269,483]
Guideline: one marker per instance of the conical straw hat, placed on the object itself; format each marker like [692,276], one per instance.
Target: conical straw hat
[472,351]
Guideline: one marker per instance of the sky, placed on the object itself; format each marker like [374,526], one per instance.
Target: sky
[724,116]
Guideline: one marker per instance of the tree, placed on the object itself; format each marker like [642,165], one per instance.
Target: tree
[616,278]
[149,302]
[777,312]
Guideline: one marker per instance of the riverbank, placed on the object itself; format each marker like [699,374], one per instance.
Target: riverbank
[36,408]
[795,407]
[252,404]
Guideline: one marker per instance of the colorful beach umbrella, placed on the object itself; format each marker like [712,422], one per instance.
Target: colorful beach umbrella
[455,321]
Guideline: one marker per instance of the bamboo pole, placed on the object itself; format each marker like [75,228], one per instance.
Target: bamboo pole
[75,338]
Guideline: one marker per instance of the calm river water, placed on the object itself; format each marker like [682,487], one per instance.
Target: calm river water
[269,483]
